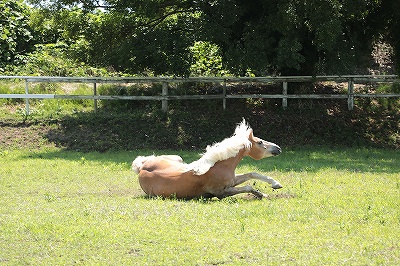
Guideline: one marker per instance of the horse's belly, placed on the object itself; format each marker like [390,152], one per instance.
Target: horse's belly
[180,185]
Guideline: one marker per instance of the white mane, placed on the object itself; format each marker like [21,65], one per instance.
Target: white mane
[223,150]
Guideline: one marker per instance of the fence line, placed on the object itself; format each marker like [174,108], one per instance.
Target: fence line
[164,97]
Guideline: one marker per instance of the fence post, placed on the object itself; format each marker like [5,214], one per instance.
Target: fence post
[350,99]
[164,102]
[94,94]
[27,99]
[284,98]
[224,96]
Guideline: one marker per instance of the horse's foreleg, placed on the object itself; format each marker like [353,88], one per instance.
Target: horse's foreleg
[230,191]
[241,178]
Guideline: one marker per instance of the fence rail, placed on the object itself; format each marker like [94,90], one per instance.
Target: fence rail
[164,97]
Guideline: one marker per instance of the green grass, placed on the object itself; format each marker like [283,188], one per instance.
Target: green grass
[338,206]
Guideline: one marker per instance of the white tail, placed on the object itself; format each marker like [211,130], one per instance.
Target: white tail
[139,161]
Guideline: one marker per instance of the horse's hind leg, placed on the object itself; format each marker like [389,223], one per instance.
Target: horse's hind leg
[241,178]
[230,191]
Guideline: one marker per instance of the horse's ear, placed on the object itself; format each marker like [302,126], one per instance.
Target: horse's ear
[251,136]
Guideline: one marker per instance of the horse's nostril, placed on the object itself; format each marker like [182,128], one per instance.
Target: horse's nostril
[276,151]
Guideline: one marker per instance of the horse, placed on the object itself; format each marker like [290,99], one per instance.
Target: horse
[213,175]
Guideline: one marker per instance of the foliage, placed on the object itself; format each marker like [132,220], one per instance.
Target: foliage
[52,60]
[386,22]
[15,33]
[207,60]
[259,37]
[68,27]
[132,47]
[133,90]
[291,37]
[8,88]
[338,206]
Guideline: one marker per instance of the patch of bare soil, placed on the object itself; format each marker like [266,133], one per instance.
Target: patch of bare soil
[20,135]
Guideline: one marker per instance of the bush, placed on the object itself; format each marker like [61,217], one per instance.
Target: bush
[379,105]
[132,90]
[83,89]
[15,33]
[207,60]
[52,60]
[10,88]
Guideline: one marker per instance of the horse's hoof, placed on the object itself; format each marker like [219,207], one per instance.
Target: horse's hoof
[258,194]
[277,186]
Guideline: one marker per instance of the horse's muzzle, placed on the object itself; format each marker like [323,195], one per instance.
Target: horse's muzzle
[276,150]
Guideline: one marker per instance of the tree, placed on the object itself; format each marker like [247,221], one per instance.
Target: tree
[15,33]
[287,37]
[291,37]
[385,23]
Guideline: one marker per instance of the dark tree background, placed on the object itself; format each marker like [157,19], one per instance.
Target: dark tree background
[261,37]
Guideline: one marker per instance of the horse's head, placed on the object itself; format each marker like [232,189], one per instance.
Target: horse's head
[262,149]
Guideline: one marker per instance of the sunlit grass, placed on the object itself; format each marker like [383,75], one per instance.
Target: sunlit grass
[338,206]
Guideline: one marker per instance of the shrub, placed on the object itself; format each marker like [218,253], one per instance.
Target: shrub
[10,88]
[52,60]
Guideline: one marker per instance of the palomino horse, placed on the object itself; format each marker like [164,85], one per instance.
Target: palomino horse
[213,175]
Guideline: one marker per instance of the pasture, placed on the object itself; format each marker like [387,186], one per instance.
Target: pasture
[338,206]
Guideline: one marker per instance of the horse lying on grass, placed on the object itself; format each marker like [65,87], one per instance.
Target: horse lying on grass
[213,175]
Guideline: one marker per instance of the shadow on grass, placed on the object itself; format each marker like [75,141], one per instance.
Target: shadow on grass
[196,124]
[309,159]
[231,200]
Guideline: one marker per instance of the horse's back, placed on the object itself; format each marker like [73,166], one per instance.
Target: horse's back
[164,165]
[151,161]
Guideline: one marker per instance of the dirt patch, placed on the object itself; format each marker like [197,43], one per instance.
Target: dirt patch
[20,135]
[272,196]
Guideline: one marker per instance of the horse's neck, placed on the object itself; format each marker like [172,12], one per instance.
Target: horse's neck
[204,164]
[234,161]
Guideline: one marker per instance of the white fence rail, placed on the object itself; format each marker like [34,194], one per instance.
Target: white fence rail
[165,81]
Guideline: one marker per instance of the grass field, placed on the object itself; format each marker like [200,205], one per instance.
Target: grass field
[338,206]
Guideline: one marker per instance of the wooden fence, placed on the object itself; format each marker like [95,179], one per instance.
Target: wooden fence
[164,97]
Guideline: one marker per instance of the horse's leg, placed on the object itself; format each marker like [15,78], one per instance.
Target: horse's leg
[230,191]
[241,178]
